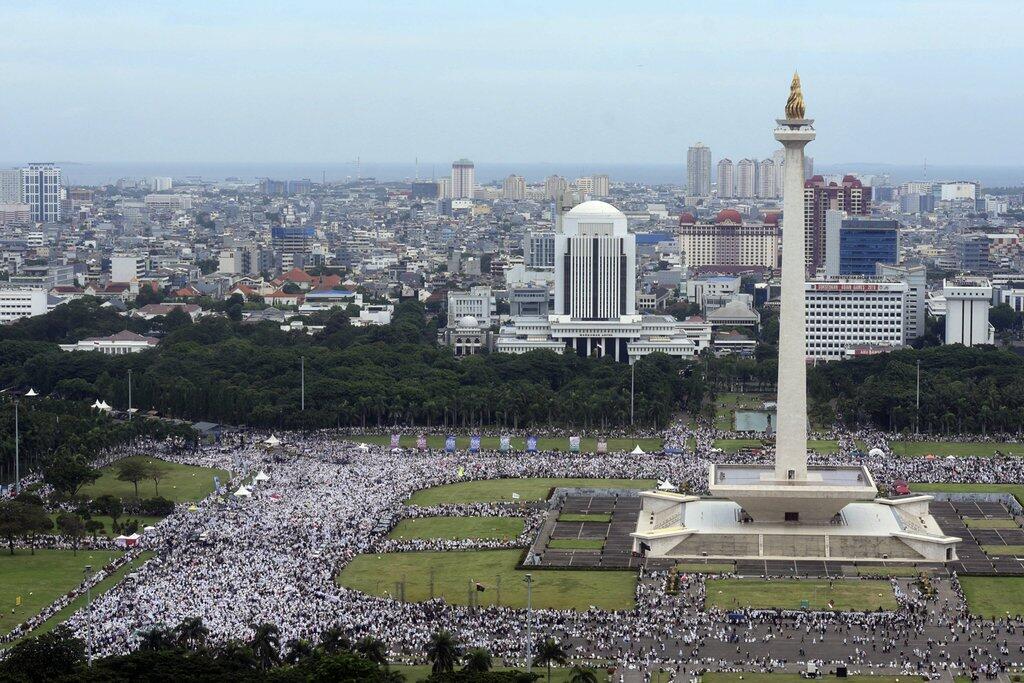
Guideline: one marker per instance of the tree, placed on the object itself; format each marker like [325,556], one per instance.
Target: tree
[297,650]
[156,471]
[108,505]
[333,641]
[582,674]
[94,527]
[68,474]
[191,633]
[12,521]
[549,652]
[1002,317]
[443,652]
[51,656]
[133,470]
[372,649]
[266,645]
[73,527]
[478,660]
[155,639]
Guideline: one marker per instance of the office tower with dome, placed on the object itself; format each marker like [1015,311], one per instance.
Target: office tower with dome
[595,297]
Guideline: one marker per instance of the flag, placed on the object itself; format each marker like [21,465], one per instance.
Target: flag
[574,444]
[461,472]
[531,444]
[602,445]
[449,444]
[421,442]
[17,601]
[504,444]
[474,444]
[515,496]
[395,438]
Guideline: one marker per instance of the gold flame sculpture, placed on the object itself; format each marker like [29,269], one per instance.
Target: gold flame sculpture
[795,103]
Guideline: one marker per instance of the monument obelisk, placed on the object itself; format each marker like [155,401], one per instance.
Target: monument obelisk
[794,132]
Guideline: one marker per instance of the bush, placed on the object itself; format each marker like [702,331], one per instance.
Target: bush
[156,507]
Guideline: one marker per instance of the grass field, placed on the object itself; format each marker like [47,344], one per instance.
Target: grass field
[940,449]
[1016,490]
[413,674]
[181,483]
[458,528]
[982,523]
[502,489]
[736,445]
[453,571]
[107,522]
[603,517]
[994,596]
[710,568]
[888,571]
[861,595]
[1003,550]
[40,579]
[576,544]
[491,443]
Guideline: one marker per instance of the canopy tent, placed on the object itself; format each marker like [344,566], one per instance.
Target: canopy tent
[193,508]
[242,492]
[363,447]
[272,441]
[262,476]
[876,453]
[667,486]
[637,450]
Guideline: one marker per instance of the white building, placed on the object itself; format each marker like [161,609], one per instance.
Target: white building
[846,313]
[766,188]
[968,300]
[168,202]
[21,302]
[958,191]
[478,302]
[725,179]
[698,170]
[127,267]
[917,290]
[728,241]
[746,178]
[41,191]
[514,187]
[555,186]
[602,185]
[10,186]
[539,249]
[115,345]
[463,179]
[584,186]
[161,183]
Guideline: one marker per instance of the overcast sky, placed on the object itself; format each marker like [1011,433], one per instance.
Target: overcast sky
[554,81]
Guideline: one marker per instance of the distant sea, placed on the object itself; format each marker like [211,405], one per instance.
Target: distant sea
[99,173]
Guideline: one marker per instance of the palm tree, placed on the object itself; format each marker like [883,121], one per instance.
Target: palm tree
[372,649]
[156,638]
[191,633]
[333,641]
[298,649]
[478,660]
[582,674]
[549,652]
[443,652]
[237,655]
[266,645]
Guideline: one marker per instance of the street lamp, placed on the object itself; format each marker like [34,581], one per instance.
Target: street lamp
[529,621]
[88,613]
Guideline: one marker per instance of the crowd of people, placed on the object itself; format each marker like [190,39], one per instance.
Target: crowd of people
[273,557]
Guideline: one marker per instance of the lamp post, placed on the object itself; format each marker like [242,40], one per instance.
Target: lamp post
[88,614]
[529,621]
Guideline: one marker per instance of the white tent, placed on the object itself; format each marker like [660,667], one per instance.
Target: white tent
[97,405]
[272,441]
[876,453]
[104,406]
[637,450]
[149,529]
[243,492]
[262,476]
[363,447]
[667,486]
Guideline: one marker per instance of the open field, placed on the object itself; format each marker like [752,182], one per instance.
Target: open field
[890,571]
[997,596]
[40,579]
[940,449]
[847,595]
[491,443]
[603,517]
[982,523]
[1016,490]
[181,483]
[710,568]
[502,489]
[457,528]
[108,522]
[736,445]
[1003,550]
[453,572]
[576,544]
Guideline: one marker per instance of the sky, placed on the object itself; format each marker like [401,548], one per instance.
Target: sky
[555,81]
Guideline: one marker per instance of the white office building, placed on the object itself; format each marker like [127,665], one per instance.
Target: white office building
[914,312]
[725,179]
[968,300]
[161,183]
[539,250]
[746,178]
[698,170]
[514,187]
[463,179]
[22,302]
[168,202]
[478,302]
[41,191]
[127,268]
[847,315]
[117,344]
[766,188]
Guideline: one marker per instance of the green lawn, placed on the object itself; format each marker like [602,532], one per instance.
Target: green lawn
[1017,490]
[502,489]
[458,528]
[414,674]
[889,571]
[603,517]
[699,568]
[982,523]
[453,571]
[79,602]
[736,445]
[491,443]
[143,520]
[1003,550]
[40,579]
[181,483]
[917,449]
[848,595]
[576,544]
[994,596]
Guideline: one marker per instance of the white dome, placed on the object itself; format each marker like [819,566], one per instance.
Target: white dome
[594,208]
[468,321]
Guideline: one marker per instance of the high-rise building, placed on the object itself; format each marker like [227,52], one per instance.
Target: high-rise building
[854,245]
[514,187]
[698,170]
[596,259]
[127,267]
[746,178]
[160,183]
[728,241]
[847,313]
[425,189]
[968,300]
[463,179]
[554,186]
[539,249]
[726,187]
[602,185]
[10,186]
[917,288]
[779,158]
[971,251]
[808,167]
[766,180]
[444,188]
[820,197]
[584,186]
[41,191]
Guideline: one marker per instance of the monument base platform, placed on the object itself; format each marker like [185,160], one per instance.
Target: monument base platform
[893,529]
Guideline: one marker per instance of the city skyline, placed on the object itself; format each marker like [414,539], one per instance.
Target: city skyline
[338,83]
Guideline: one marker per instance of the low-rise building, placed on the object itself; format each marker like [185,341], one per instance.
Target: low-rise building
[116,344]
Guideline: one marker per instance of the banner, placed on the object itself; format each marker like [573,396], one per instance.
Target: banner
[395,438]
[602,445]
[574,444]
[449,444]
[504,445]
[474,444]
[531,444]
[421,442]
[216,484]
